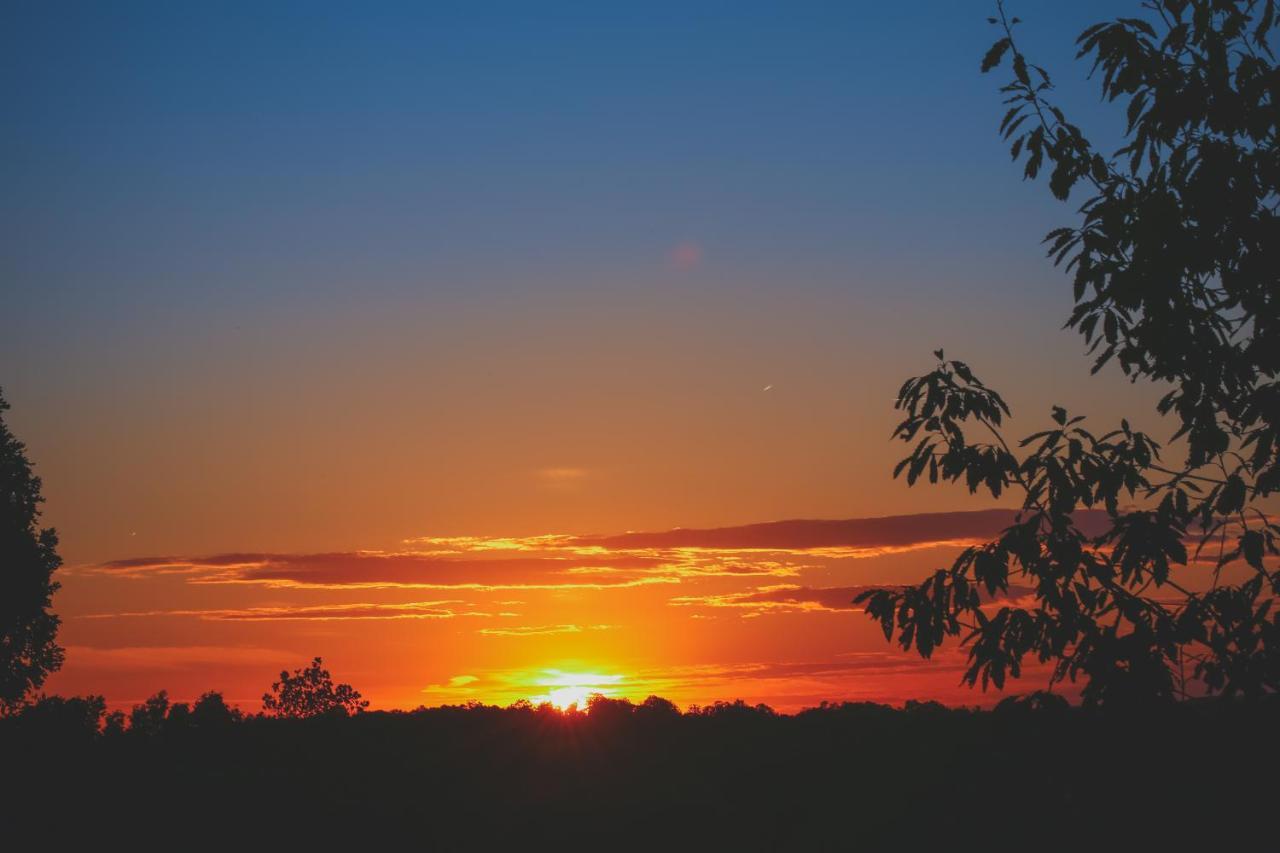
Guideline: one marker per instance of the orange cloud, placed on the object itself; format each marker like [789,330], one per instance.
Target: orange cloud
[630,603]
[787,597]
[538,630]
[562,478]
[320,613]
[852,534]
[366,569]
[780,597]
[560,561]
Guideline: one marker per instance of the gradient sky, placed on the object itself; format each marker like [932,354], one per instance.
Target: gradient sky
[316,284]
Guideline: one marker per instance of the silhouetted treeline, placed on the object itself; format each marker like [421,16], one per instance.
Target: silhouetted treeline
[1032,773]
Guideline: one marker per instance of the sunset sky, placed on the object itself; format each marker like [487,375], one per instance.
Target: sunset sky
[409,336]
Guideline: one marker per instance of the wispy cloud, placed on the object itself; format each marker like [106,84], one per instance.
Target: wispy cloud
[319,613]
[853,536]
[779,549]
[538,630]
[780,597]
[371,570]
[791,598]
[562,478]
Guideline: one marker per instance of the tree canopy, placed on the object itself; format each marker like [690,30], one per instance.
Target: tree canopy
[1176,276]
[311,692]
[28,559]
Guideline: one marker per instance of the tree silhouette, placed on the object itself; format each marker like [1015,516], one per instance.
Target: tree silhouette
[311,692]
[28,559]
[113,724]
[76,717]
[729,773]
[149,717]
[1176,277]
[211,711]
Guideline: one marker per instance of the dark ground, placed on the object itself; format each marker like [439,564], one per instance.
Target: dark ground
[727,778]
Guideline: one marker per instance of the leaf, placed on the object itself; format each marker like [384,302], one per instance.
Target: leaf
[1020,69]
[1062,180]
[995,54]
[1264,23]
[1231,498]
[1251,548]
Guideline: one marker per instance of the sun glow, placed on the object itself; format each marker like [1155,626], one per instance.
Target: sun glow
[565,698]
[566,690]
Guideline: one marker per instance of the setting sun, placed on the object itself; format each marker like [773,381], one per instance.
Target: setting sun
[570,697]
[569,689]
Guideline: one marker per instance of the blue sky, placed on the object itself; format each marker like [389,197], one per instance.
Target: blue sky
[233,229]
[171,152]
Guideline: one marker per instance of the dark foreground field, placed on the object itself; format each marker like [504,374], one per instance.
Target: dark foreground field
[623,777]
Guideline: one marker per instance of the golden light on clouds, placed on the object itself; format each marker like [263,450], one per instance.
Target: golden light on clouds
[762,612]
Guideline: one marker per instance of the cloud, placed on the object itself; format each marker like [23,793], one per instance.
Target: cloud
[853,535]
[320,613]
[850,537]
[562,478]
[780,549]
[787,597]
[538,630]
[780,597]
[685,255]
[367,569]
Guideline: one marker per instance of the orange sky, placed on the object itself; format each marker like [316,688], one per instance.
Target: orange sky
[310,440]
[337,455]
[760,612]
[374,432]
